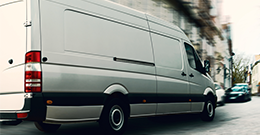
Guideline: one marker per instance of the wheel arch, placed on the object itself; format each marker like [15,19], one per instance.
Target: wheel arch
[208,90]
[117,91]
[116,88]
[212,94]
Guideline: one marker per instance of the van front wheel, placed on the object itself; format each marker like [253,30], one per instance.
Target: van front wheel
[44,127]
[114,117]
[208,112]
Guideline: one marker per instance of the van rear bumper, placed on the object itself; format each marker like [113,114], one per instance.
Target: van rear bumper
[34,109]
[10,115]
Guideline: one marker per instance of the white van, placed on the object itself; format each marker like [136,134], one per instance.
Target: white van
[68,61]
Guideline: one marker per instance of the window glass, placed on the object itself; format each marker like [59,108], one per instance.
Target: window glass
[190,55]
[193,59]
[199,65]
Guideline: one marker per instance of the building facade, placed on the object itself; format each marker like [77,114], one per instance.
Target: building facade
[255,76]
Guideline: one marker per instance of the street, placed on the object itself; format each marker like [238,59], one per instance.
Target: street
[231,119]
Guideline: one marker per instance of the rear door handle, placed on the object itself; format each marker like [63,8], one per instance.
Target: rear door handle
[191,75]
[183,74]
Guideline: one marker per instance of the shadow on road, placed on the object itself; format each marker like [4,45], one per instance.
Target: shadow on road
[136,126]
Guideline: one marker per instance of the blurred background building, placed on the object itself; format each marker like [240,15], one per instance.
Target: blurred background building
[203,23]
[255,74]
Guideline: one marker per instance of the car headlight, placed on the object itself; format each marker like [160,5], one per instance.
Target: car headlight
[241,94]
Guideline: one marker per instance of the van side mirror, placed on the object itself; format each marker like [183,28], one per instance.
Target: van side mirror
[206,66]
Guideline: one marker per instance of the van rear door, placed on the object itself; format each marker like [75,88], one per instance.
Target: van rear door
[12,54]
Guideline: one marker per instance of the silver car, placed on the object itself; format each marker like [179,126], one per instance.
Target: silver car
[220,92]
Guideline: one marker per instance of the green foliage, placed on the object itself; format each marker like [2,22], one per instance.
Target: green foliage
[240,63]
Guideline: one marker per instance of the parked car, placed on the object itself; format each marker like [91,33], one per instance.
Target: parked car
[220,92]
[239,92]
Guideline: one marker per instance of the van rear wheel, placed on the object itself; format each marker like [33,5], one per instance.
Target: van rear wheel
[208,112]
[114,117]
[44,127]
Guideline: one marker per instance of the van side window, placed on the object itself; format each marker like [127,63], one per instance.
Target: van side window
[193,58]
[190,56]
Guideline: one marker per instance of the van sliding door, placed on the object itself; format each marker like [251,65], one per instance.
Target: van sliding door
[172,84]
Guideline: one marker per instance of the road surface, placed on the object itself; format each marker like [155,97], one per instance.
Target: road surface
[231,119]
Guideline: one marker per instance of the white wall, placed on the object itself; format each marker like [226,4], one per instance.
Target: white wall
[255,77]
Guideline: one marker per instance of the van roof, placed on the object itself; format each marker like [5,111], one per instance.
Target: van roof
[166,28]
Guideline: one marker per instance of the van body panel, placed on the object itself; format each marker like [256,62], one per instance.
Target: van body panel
[197,106]
[82,50]
[98,32]
[170,108]
[169,69]
[142,109]
[88,27]
[9,77]
[165,54]
[67,113]
[198,81]
[12,54]
[63,78]
[12,34]
[103,8]
[14,101]
[8,2]
[33,31]
[161,27]
[51,20]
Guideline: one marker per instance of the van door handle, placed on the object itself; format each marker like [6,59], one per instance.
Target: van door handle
[10,61]
[191,75]
[183,74]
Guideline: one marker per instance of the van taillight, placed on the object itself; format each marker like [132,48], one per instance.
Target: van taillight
[33,73]
[22,115]
[33,57]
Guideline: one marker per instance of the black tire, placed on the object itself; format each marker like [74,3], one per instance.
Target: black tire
[245,98]
[48,128]
[208,112]
[248,98]
[114,117]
